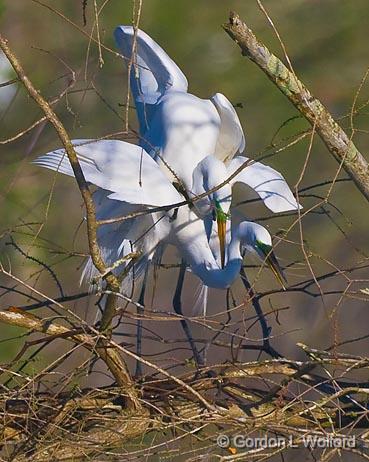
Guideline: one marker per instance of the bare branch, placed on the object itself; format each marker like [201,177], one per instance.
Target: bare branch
[120,373]
[336,140]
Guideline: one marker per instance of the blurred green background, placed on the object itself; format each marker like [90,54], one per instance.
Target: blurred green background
[327,42]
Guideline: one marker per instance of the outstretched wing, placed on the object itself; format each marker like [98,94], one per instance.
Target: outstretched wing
[231,139]
[266,182]
[122,168]
[153,72]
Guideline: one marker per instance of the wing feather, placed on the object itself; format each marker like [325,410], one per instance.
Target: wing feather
[231,139]
[153,72]
[122,168]
[268,183]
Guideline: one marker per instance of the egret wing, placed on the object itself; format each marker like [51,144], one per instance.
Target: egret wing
[116,240]
[153,72]
[266,182]
[231,139]
[122,168]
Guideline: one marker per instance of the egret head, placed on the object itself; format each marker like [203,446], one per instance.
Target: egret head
[259,241]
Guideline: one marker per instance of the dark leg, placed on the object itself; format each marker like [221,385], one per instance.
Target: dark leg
[140,312]
[259,312]
[177,305]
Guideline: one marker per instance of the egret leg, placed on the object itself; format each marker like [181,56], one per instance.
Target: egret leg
[177,305]
[140,310]
[259,313]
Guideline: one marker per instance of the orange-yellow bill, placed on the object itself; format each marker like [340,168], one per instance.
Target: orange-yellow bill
[273,264]
[222,227]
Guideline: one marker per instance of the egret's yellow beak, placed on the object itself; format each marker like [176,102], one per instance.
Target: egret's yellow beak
[221,218]
[271,260]
[273,264]
[222,234]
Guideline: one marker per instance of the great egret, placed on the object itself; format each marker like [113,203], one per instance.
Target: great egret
[190,137]
[129,178]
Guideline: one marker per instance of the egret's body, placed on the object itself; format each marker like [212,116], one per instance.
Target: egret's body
[184,130]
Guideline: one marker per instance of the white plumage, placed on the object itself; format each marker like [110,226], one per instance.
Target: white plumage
[122,168]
